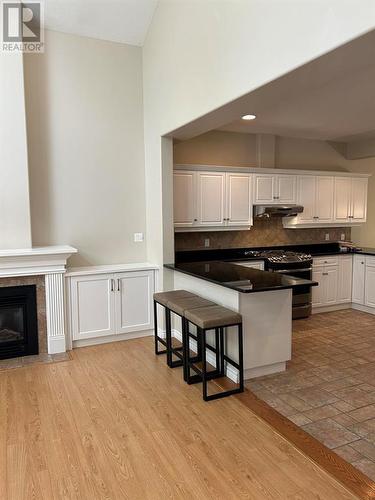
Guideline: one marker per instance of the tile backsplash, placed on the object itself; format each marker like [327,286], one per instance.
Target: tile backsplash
[264,233]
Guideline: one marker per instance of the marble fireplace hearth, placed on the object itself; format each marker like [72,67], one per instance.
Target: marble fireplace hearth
[43,267]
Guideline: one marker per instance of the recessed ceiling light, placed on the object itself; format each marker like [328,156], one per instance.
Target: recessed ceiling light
[249,117]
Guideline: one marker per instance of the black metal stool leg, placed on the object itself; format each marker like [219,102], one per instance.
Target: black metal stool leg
[222,352]
[240,357]
[158,340]
[168,335]
[202,336]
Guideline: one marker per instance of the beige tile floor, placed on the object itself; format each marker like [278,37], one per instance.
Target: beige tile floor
[329,386]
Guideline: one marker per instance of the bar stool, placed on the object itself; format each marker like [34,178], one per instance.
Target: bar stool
[179,305]
[162,299]
[215,318]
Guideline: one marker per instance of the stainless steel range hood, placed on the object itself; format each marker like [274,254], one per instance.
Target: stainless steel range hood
[268,211]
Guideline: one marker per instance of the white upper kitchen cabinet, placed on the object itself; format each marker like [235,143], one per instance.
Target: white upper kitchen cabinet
[316,195]
[359,199]
[306,196]
[350,199]
[184,198]
[343,193]
[286,189]
[274,189]
[238,197]
[324,199]
[211,199]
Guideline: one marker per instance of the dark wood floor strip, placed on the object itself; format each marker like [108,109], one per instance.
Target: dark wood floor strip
[352,478]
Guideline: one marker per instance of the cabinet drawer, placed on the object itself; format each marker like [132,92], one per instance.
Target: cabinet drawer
[370,261]
[326,261]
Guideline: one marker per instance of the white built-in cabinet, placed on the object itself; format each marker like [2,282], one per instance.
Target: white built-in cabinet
[275,189]
[222,200]
[103,304]
[212,199]
[334,275]
[350,199]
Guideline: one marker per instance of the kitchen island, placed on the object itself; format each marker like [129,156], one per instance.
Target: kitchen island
[263,299]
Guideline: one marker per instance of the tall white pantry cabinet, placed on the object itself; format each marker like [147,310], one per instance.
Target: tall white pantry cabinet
[110,302]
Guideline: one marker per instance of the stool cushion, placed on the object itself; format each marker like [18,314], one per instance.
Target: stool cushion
[163,297]
[213,317]
[180,305]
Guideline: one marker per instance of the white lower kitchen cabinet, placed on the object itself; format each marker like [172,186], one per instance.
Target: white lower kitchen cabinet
[370,282]
[106,305]
[326,293]
[359,271]
[334,275]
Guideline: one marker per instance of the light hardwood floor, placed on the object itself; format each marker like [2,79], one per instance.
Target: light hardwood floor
[116,423]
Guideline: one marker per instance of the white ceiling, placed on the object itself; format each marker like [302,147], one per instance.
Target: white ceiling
[331,98]
[124,21]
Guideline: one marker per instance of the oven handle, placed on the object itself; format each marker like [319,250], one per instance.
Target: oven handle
[293,270]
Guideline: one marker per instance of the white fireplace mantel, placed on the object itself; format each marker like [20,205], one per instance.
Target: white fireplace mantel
[34,261]
[50,262]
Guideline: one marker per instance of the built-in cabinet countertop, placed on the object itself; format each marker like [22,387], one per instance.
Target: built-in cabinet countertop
[239,278]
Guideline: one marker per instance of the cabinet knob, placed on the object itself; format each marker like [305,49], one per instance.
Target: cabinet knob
[195,220]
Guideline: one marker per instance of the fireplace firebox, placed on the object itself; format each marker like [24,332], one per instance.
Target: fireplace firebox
[18,321]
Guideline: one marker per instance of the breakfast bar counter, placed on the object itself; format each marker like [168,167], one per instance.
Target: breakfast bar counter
[263,299]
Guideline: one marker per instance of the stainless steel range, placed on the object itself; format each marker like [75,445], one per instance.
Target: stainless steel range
[294,264]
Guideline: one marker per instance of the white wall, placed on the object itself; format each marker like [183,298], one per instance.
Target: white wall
[201,55]
[86,148]
[14,195]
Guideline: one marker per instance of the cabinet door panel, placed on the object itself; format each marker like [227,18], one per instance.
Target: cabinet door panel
[287,188]
[239,207]
[359,199]
[343,195]
[92,306]
[134,301]
[324,199]
[264,189]
[370,287]
[358,292]
[211,199]
[318,292]
[331,277]
[344,293]
[184,198]
[306,190]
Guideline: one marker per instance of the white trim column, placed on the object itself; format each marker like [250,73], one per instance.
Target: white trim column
[55,311]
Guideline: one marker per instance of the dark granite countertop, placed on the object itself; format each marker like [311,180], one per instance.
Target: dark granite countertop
[238,254]
[239,278]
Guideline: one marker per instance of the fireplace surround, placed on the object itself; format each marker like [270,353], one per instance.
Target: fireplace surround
[44,269]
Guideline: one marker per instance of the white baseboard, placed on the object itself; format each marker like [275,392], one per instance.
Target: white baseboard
[336,307]
[366,309]
[112,338]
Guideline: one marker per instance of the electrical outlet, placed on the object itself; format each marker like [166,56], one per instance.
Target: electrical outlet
[138,237]
[207,242]
[342,236]
[327,236]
